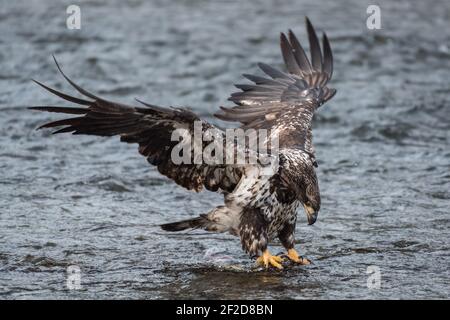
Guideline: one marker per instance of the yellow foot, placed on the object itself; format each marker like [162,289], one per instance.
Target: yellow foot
[293,256]
[267,259]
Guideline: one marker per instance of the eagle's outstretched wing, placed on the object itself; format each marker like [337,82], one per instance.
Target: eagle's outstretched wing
[151,127]
[286,102]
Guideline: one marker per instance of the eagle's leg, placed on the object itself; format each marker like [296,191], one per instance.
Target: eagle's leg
[267,259]
[253,232]
[286,236]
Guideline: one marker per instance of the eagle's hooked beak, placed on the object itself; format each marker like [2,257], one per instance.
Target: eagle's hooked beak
[311,214]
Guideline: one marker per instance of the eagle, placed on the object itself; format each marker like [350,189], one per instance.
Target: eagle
[260,205]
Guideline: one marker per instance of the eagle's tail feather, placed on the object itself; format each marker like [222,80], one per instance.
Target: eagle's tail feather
[220,219]
[200,222]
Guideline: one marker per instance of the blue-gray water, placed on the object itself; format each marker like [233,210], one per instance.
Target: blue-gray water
[382,144]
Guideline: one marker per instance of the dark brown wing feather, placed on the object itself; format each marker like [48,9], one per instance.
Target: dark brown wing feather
[151,127]
[297,93]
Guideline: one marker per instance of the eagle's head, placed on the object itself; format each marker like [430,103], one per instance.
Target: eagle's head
[310,196]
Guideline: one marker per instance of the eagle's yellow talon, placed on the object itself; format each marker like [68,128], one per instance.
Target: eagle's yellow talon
[278,259]
[293,256]
[267,259]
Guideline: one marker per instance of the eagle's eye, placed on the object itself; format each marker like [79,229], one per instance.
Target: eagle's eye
[308,203]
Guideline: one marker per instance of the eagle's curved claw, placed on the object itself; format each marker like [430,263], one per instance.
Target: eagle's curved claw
[267,259]
[294,256]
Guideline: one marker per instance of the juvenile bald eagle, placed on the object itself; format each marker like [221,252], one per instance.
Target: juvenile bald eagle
[257,207]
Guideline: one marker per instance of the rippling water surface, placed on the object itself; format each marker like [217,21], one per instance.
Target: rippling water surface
[382,144]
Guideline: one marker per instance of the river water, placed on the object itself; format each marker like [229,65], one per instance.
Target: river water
[382,146]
